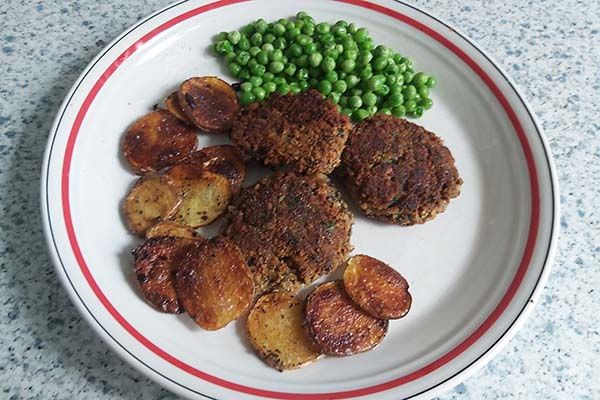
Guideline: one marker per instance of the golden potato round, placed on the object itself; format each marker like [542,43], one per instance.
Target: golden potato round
[338,325]
[209,103]
[225,160]
[276,330]
[214,284]
[157,140]
[204,200]
[171,229]
[174,107]
[377,288]
[155,262]
[151,200]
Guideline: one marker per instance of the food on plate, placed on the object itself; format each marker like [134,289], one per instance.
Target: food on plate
[152,200]
[224,160]
[302,132]
[155,262]
[276,330]
[213,283]
[338,325]
[377,288]
[157,140]
[174,107]
[291,229]
[205,198]
[340,60]
[398,172]
[171,229]
[209,103]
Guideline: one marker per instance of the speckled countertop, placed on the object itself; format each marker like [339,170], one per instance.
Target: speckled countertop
[552,50]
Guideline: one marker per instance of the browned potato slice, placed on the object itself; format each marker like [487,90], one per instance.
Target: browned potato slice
[156,141]
[171,229]
[224,160]
[151,200]
[214,283]
[377,288]
[276,330]
[209,103]
[184,174]
[204,200]
[155,263]
[174,107]
[338,325]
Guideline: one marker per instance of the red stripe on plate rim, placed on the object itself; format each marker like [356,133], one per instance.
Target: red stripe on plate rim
[446,358]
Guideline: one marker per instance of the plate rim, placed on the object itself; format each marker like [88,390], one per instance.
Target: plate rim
[171,384]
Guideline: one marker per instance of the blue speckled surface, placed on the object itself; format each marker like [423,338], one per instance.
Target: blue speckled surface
[552,50]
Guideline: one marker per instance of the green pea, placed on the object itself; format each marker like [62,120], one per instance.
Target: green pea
[351,54]
[359,115]
[276,55]
[302,40]
[294,50]
[340,86]
[308,29]
[380,63]
[268,77]
[431,82]
[322,28]
[254,51]
[339,48]
[343,101]
[410,105]
[276,67]
[243,57]
[269,38]
[256,39]
[397,57]
[367,44]
[313,82]
[395,100]
[392,69]
[356,92]
[364,58]
[399,111]
[334,97]
[261,26]
[369,99]
[310,48]
[352,81]
[234,37]
[221,36]
[375,82]
[385,111]
[324,87]
[343,75]
[366,74]
[315,59]
[223,47]
[246,86]
[339,30]
[346,111]
[301,14]
[234,69]
[244,44]
[262,57]
[407,77]
[409,92]
[349,44]
[303,85]
[292,33]
[426,104]
[355,102]
[255,81]
[417,112]
[294,88]
[371,109]
[283,88]
[351,28]
[331,53]
[302,74]
[278,29]
[423,92]
[384,90]
[302,61]
[268,47]
[280,43]
[331,76]
[269,87]
[258,70]
[259,93]
[247,97]
[361,35]
[244,74]
[290,69]
[328,64]
[230,57]
[382,51]
[419,79]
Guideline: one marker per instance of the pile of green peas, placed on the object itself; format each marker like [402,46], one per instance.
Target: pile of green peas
[340,61]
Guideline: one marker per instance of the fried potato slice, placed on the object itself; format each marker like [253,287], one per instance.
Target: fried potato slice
[157,140]
[184,174]
[204,200]
[377,288]
[209,103]
[171,229]
[174,107]
[338,325]
[276,330]
[214,283]
[151,200]
[224,160]
[155,262]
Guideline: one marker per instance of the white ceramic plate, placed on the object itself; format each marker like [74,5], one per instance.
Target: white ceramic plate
[475,271]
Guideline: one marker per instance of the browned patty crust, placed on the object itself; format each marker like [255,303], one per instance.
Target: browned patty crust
[398,172]
[303,132]
[291,229]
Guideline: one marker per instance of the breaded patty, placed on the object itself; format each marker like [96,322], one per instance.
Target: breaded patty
[398,172]
[291,229]
[304,132]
